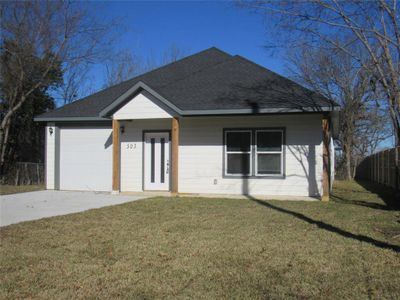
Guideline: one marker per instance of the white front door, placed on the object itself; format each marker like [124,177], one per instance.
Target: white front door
[156,161]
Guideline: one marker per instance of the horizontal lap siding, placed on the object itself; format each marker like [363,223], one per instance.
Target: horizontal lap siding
[140,107]
[201,156]
[132,158]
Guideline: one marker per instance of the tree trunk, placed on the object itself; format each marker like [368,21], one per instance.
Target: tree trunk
[348,164]
[4,134]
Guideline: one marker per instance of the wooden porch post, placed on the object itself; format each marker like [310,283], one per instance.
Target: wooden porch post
[325,158]
[174,156]
[116,160]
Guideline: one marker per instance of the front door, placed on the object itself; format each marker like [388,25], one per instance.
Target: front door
[156,161]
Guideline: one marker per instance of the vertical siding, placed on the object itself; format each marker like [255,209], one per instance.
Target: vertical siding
[201,155]
[50,156]
[132,151]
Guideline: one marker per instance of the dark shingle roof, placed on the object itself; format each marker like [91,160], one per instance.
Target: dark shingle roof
[211,80]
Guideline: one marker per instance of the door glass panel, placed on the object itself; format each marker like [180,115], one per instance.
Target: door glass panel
[162,167]
[152,159]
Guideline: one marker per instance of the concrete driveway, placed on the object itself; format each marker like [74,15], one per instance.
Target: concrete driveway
[16,208]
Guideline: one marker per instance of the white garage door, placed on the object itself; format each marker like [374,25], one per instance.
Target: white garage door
[86,159]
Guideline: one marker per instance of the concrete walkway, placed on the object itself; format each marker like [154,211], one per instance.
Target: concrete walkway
[16,208]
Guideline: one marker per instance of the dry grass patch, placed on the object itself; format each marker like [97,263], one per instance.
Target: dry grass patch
[15,189]
[208,248]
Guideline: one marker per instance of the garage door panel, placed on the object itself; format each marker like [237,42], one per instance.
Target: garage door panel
[85,159]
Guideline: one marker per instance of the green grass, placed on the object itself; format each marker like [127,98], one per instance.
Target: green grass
[211,249]
[14,189]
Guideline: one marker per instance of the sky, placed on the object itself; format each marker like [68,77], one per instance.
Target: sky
[149,28]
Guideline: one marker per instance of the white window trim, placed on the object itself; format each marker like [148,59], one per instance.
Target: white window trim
[256,152]
[226,152]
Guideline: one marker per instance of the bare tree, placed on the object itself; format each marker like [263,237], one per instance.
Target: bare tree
[372,25]
[333,74]
[125,65]
[75,83]
[169,55]
[46,36]
[172,53]
[120,67]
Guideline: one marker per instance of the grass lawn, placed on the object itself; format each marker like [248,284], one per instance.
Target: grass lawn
[14,189]
[209,248]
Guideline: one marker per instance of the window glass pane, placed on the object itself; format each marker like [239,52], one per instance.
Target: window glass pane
[238,164]
[238,141]
[269,163]
[269,140]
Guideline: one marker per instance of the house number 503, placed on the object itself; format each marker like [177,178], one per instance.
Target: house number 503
[130,146]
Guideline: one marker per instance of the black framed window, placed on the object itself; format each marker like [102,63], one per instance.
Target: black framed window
[254,152]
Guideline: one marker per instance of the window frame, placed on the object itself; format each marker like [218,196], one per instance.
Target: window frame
[253,153]
[226,152]
[256,152]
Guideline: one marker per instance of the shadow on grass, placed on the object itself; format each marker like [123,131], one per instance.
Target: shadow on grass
[387,194]
[328,227]
[373,205]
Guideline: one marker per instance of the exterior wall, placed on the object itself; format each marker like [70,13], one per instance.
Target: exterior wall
[201,156]
[50,158]
[132,151]
[141,107]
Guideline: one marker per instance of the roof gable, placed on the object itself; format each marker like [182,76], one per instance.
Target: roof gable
[141,106]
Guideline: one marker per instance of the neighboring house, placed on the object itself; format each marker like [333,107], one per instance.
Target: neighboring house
[208,123]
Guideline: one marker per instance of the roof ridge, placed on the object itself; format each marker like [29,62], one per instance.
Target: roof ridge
[282,77]
[174,62]
[198,71]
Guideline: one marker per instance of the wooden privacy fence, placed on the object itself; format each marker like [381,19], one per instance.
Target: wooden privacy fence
[23,173]
[381,167]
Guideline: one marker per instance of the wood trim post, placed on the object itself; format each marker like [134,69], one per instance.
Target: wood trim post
[116,159]
[325,158]
[174,155]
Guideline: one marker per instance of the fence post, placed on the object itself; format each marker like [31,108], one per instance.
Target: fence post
[16,176]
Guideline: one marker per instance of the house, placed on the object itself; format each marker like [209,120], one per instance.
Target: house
[208,123]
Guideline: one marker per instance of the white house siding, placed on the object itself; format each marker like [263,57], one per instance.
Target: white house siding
[141,107]
[201,156]
[132,151]
[50,155]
